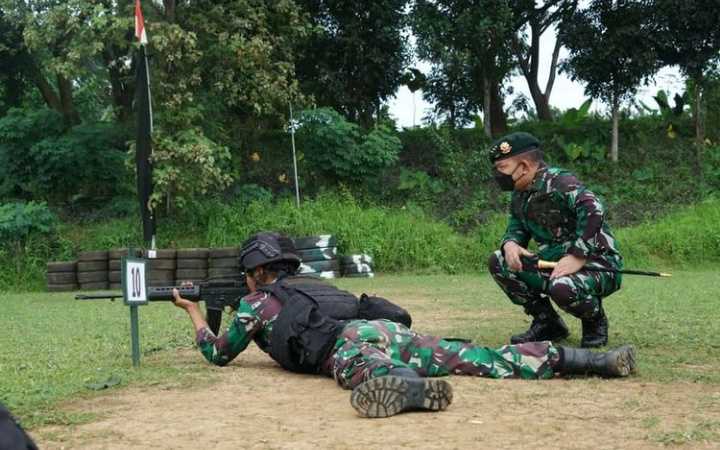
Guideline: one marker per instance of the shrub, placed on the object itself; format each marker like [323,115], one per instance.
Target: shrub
[19,220]
[689,236]
[420,151]
[398,239]
[26,237]
[340,150]
[712,167]
[40,159]
[185,165]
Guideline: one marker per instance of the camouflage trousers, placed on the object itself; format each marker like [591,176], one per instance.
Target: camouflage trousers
[368,349]
[578,294]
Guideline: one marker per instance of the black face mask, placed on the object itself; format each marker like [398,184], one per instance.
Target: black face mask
[504,180]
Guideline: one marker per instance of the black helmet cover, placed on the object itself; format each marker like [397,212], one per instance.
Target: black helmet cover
[265,248]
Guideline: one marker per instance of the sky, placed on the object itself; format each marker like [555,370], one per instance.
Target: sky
[566,93]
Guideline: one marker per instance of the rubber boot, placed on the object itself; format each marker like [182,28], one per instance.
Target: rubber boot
[619,362]
[547,325]
[595,330]
[401,390]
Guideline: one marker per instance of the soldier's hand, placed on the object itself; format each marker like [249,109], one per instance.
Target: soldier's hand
[568,265]
[180,302]
[513,252]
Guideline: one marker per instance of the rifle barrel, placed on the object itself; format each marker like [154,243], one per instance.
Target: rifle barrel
[96,297]
[549,265]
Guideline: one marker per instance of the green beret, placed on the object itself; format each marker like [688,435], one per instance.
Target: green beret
[513,144]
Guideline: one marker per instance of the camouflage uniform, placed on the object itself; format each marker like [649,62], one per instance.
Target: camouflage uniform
[563,217]
[367,349]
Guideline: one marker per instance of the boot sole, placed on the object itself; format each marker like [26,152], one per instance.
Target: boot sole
[390,395]
[625,361]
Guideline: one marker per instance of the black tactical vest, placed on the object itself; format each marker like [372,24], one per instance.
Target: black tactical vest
[342,305]
[312,317]
[302,337]
[332,302]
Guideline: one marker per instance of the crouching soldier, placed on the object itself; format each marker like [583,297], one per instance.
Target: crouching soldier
[569,224]
[389,367]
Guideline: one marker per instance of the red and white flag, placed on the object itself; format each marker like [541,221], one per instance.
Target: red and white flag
[140,24]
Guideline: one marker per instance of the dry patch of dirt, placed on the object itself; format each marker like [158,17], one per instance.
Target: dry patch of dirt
[256,405]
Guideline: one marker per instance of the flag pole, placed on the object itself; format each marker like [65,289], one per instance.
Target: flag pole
[153,244]
[143,143]
[292,139]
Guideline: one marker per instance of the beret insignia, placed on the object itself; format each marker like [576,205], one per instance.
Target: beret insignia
[505,148]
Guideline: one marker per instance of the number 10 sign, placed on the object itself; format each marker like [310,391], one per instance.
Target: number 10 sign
[133,281]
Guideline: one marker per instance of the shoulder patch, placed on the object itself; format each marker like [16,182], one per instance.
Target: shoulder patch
[255,296]
[562,181]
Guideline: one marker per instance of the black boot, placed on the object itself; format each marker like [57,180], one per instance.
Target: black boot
[401,390]
[547,325]
[619,362]
[595,330]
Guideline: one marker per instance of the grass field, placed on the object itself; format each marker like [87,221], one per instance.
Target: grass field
[53,346]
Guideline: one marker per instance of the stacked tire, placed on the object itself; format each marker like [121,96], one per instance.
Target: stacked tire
[318,255]
[192,265]
[160,268]
[62,276]
[357,266]
[223,264]
[92,270]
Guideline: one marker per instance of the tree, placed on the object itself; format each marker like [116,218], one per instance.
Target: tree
[341,150]
[450,89]
[215,67]
[535,20]
[64,42]
[474,34]
[16,60]
[247,56]
[687,34]
[610,53]
[355,60]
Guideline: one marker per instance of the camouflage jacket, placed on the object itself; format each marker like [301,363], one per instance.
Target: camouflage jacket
[253,321]
[563,217]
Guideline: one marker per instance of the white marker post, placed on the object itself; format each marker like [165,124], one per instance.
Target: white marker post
[292,138]
[134,294]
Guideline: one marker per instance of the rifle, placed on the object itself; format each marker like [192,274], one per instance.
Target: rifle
[534,263]
[216,295]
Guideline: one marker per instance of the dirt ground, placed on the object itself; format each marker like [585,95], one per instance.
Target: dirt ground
[256,405]
[261,406]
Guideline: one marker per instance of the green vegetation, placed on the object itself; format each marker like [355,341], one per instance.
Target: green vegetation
[401,240]
[225,75]
[704,431]
[48,357]
[420,200]
[338,149]
[689,237]
[54,346]
[665,318]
